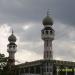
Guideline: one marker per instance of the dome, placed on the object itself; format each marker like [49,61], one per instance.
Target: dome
[12,38]
[47,21]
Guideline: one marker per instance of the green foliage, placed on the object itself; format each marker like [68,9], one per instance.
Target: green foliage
[3,62]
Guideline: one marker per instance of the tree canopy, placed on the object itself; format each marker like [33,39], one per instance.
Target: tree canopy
[3,61]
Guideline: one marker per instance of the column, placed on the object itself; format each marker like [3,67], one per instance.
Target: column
[40,70]
[74,70]
[19,71]
[29,69]
[58,70]
[66,70]
[35,70]
[24,70]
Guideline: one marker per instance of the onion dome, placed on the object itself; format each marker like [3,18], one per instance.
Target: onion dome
[12,38]
[47,21]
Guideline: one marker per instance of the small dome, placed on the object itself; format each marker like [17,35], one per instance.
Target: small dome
[47,21]
[12,38]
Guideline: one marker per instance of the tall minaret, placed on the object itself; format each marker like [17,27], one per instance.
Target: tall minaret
[47,34]
[11,49]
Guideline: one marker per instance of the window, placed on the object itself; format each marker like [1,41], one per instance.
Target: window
[47,54]
[46,31]
[47,42]
[50,52]
[13,46]
[51,31]
[42,32]
[10,46]
[47,69]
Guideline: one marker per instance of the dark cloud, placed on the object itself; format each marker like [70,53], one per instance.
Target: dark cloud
[33,33]
[64,11]
[22,11]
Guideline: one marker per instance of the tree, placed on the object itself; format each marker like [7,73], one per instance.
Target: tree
[3,62]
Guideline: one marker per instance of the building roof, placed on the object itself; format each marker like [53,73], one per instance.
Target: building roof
[41,62]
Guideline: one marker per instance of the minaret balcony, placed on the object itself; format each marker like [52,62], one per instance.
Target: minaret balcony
[11,50]
[45,36]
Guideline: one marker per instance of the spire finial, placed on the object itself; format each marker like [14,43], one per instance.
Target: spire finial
[48,12]
[12,31]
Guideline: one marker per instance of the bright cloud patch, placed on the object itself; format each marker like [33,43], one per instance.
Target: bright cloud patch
[26,27]
[25,51]
[26,55]
[4,32]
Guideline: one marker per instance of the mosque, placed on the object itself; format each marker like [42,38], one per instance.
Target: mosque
[45,66]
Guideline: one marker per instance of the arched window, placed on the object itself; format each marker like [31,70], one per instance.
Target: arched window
[42,32]
[46,31]
[47,54]
[47,42]
[51,32]
[13,46]
[10,46]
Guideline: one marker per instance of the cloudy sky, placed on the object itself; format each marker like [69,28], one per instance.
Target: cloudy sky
[25,18]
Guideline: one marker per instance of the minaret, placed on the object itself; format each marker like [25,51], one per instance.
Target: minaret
[47,34]
[11,49]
